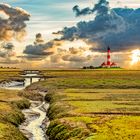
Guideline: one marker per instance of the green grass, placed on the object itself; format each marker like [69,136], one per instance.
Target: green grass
[76,95]
[121,128]
[9,74]
[75,108]
[10,132]
[91,100]
[11,104]
[107,74]
[11,116]
[111,79]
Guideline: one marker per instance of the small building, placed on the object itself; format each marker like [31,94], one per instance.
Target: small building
[103,65]
[114,65]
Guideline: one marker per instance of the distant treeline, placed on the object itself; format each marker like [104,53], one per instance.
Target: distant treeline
[8,67]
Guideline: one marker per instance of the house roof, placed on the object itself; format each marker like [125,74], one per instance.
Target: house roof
[103,64]
[113,64]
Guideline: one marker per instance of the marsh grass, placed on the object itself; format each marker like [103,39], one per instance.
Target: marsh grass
[69,110]
[9,74]
[10,114]
[79,94]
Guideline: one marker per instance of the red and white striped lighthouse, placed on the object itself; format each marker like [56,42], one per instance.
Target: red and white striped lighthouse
[109,64]
[108,58]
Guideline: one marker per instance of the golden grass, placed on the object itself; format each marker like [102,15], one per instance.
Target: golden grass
[77,108]
[10,108]
[8,95]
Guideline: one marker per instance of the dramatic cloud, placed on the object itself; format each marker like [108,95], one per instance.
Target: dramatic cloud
[72,57]
[101,8]
[40,48]
[119,27]
[7,54]
[12,22]
[8,46]
[7,50]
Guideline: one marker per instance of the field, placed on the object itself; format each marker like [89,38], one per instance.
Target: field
[84,105]
[93,105]
[11,104]
[10,114]
[8,74]
[109,79]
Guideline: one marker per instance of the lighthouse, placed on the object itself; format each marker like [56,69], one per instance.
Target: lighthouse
[108,58]
[109,64]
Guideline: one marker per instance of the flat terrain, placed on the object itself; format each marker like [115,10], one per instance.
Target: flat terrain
[11,104]
[93,104]
[84,105]
[8,74]
[107,79]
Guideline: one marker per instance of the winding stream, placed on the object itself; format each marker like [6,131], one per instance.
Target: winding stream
[34,126]
[35,117]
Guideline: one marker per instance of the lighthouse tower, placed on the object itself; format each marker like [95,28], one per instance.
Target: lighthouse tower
[108,57]
[109,64]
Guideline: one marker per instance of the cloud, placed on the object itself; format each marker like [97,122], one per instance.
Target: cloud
[7,50]
[71,58]
[8,46]
[40,48]
[84,11]
[9,61]
[101,8]
[7,54]
[118,28]
[12,22]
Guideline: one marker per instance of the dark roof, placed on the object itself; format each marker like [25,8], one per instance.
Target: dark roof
[113,64]
[103,64]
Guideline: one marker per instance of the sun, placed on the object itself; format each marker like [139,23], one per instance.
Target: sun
[135,56]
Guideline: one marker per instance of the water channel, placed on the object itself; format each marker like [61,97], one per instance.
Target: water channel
[36,118]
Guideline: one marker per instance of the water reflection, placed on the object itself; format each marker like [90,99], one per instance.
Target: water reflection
[20,85]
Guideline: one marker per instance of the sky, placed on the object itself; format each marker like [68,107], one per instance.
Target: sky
[46,44]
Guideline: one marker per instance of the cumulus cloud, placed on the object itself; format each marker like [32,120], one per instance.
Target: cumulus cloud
[101,8]
[72,57]
[7,54]
[118,27]
[7,50]
[8,46]
[40,48]
[12,22]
